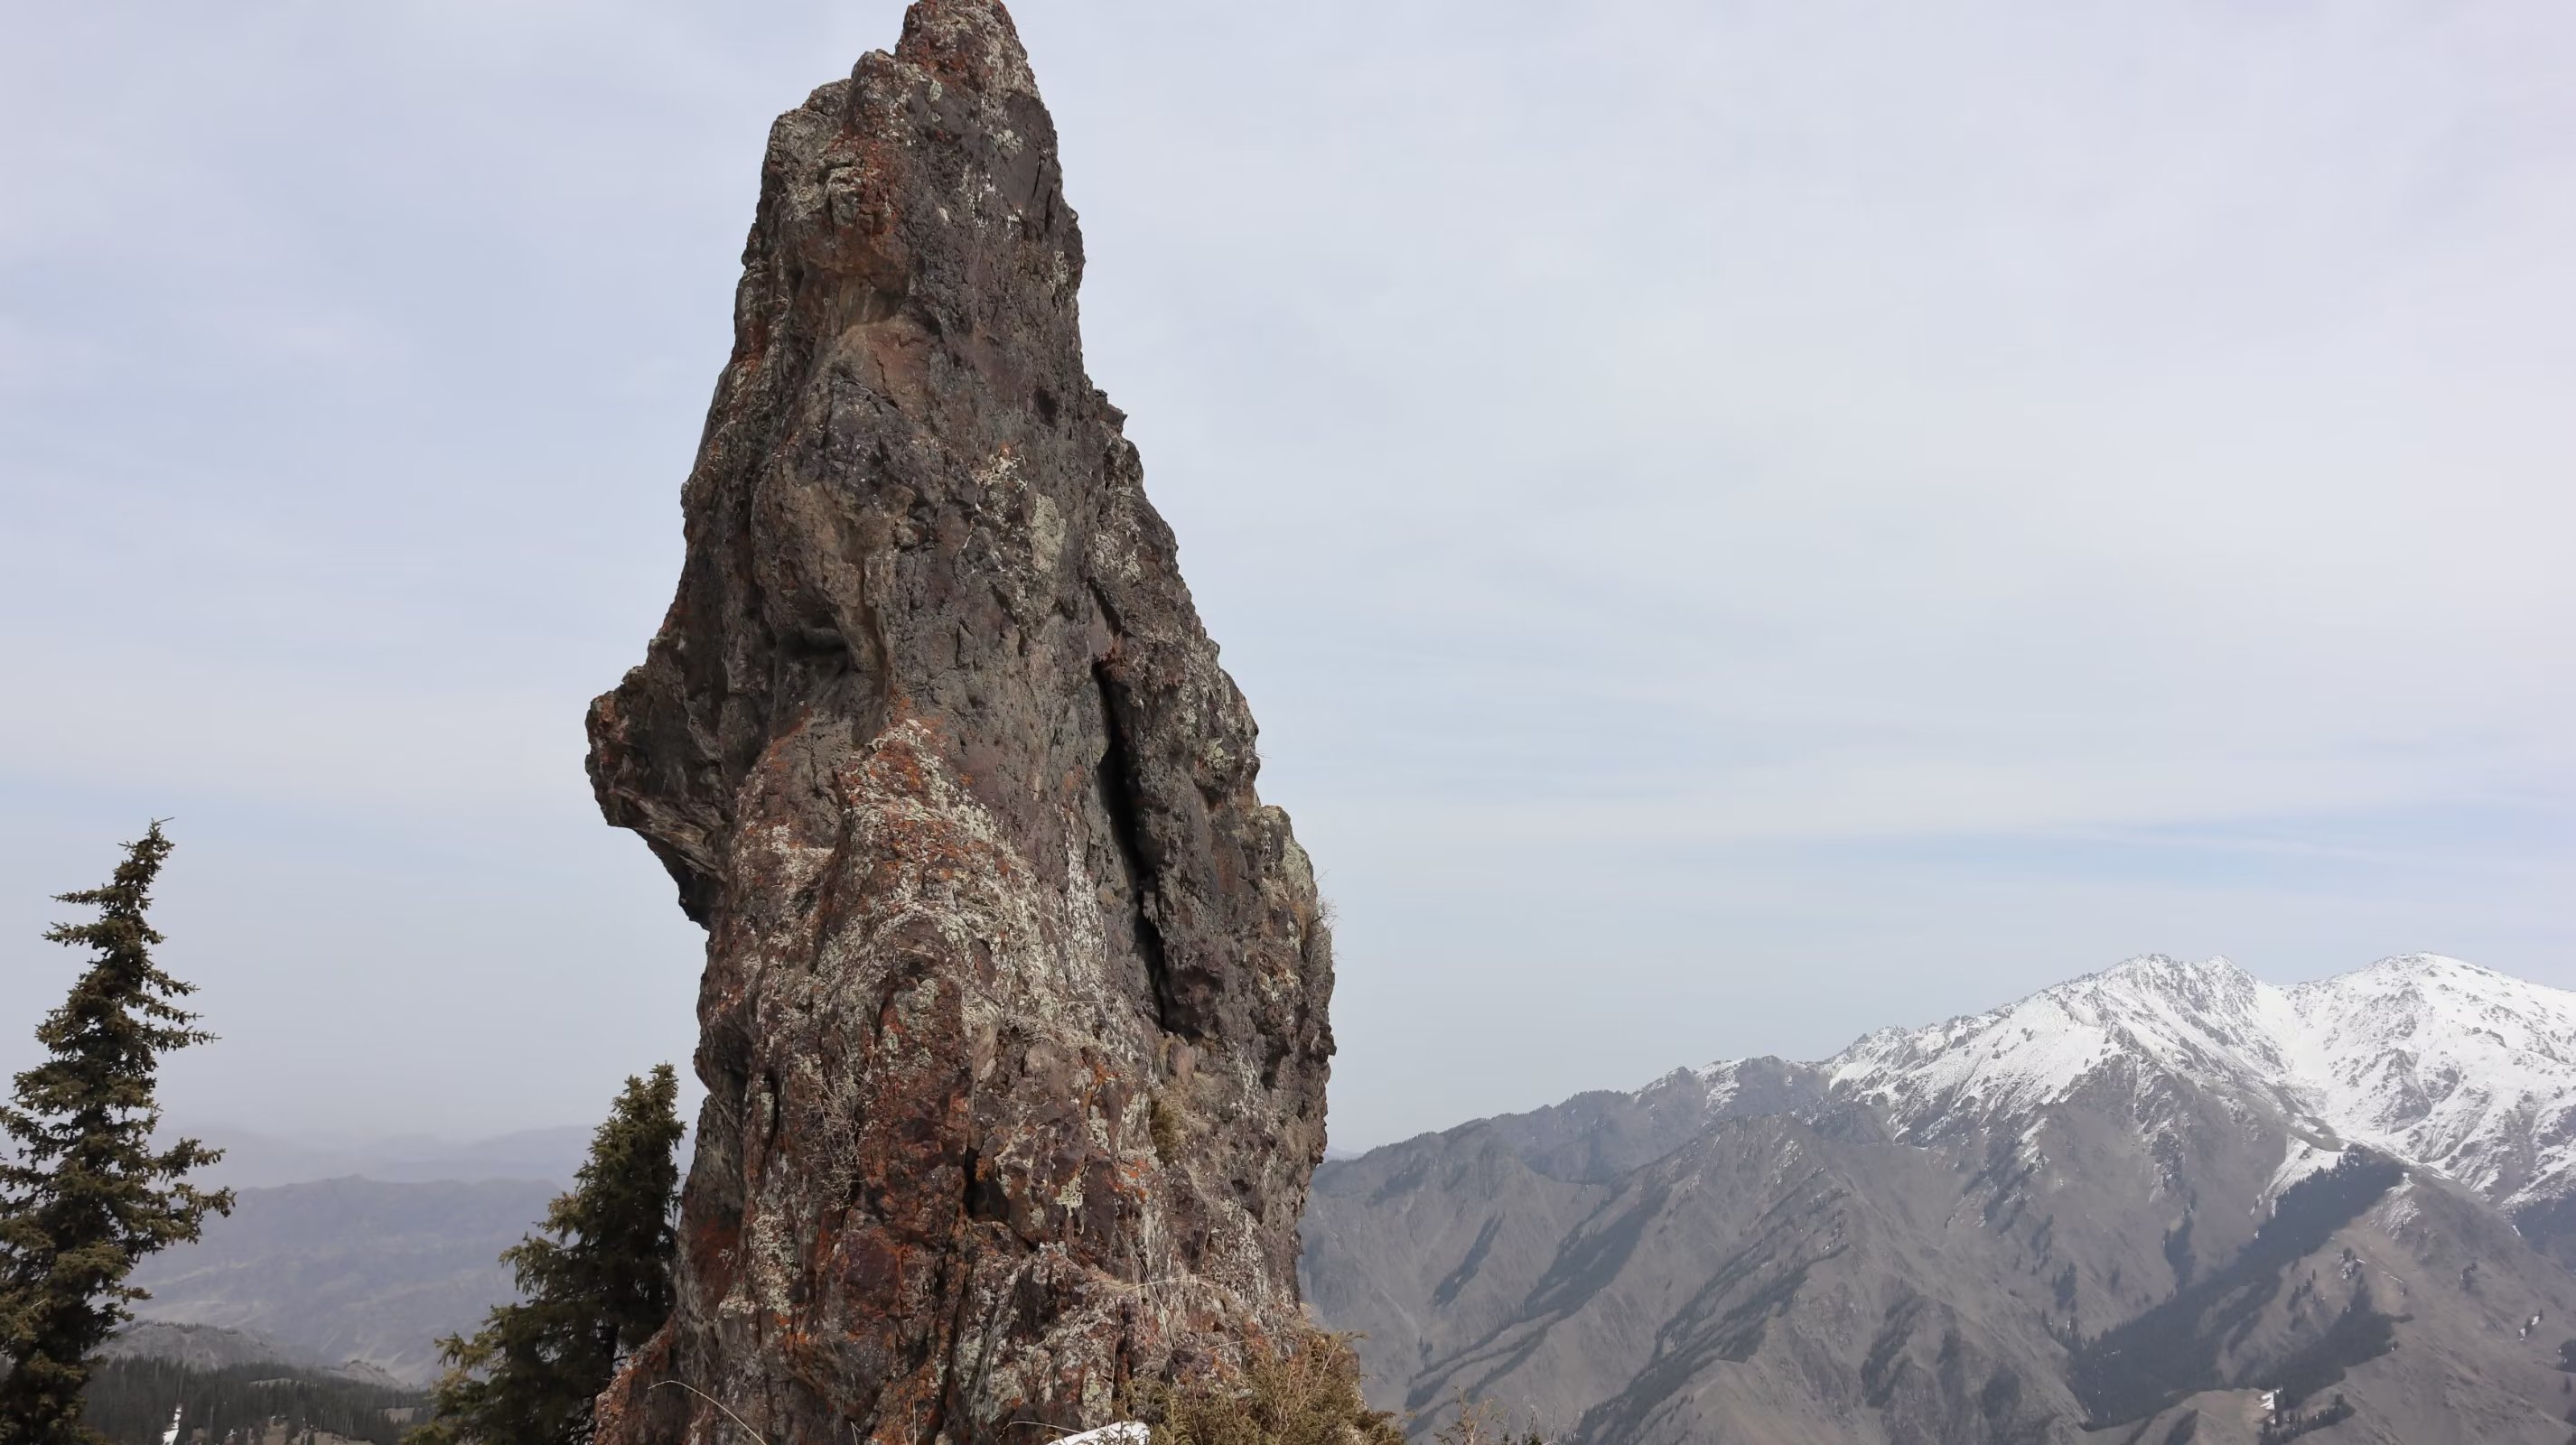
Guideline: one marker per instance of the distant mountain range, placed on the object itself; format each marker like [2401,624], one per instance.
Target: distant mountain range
[2163,1203]
[351,1269]
[2453,1067]
[354,1251]
[208,1349]
[349,1252]
[257,1160]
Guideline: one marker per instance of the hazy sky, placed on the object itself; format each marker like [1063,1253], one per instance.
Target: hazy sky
[1742,523]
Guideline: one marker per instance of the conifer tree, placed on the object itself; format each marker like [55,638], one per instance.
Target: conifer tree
[86,1195]
[592,1293]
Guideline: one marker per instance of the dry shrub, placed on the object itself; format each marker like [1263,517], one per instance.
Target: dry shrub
[1482,1422]
[1163,1124]
[1309,1395]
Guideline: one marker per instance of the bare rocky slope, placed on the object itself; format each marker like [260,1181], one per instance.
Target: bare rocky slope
[1014,1016]
[2120,1210]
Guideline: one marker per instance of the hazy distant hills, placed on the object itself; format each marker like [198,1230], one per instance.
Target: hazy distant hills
[256,1160]
[362,1250]
[2132,1202]
[201,1347]
[342,1250]
[351,1269]
[208,1349]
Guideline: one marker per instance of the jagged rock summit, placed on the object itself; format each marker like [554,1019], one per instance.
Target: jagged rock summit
[1014,1017]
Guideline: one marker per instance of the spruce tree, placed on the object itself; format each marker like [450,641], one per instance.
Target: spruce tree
[87,1196]
[591,1294]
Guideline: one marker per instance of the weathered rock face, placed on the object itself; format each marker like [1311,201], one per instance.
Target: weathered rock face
[1014,1017]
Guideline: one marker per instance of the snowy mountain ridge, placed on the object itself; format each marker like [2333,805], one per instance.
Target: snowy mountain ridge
[2439,1062]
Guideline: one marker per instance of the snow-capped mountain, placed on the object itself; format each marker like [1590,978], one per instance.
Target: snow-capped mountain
[2210,1021]
[2164,1202]
[2450,1065]
[2439,1062]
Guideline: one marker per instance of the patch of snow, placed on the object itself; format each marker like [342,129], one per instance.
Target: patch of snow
[1722,1081]
[2397,1211]
[2298,1162]
[1125,1432]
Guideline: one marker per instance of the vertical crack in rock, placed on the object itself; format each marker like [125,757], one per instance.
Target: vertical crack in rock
[1014,1021]
[1117,774]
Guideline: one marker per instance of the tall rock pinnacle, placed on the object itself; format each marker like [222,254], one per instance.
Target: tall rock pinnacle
[1014,1017]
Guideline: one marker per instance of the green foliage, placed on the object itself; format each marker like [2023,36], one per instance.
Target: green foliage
[130,1402]
[592,1293]
[86,1196]
[1308,1395]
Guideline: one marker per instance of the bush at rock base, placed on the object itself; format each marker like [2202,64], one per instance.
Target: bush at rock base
[1308,1394]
